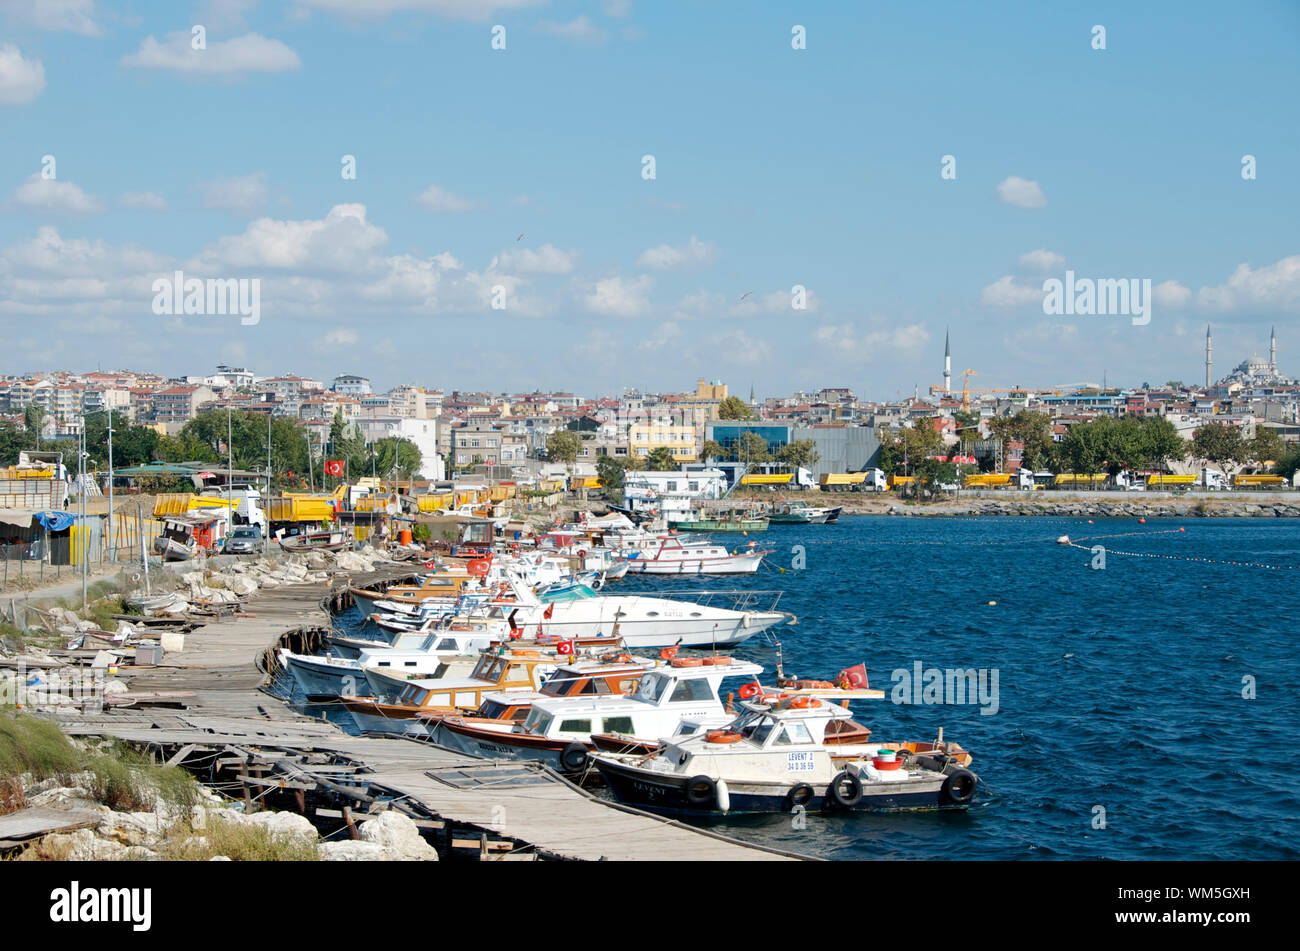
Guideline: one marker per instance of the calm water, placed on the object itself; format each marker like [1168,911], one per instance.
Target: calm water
[1119,688]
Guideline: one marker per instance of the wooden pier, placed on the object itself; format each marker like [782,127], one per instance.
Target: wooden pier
[241,738]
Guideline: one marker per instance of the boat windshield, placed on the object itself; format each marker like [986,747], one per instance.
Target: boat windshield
[537,722]
[651,688]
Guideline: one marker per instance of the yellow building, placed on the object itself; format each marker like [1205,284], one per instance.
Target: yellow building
[645,438]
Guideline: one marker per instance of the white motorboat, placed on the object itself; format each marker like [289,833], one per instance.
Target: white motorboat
[772,758]
[558,729]
[672,557]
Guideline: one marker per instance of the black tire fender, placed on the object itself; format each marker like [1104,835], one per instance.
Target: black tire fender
[573,757]
[701,791]
[959,787]
[799,795]
[842,798]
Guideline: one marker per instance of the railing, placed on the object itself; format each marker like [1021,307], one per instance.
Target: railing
[732,600]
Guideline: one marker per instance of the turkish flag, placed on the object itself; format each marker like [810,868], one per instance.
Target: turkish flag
[564,647]
[550,609]
[855,677]
[334,467]
[430,565]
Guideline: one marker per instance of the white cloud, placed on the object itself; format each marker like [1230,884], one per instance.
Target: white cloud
[1021,192]
[245,195]
[453,9]
[55,196]
[740,347]
[617,297]
[1171,294]
[884,339]
[342,337]
[66,16]
[666,333]
[440,200]
[1005,292]
[21,80]
[1042,261]
[250,53]
[578,30]
[695,253]
[548,259]
[617,8]
[1273,286]
[144,201]
[224,14]
[343,241]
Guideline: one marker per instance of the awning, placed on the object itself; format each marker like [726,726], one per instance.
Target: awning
[22,518]
[56,521]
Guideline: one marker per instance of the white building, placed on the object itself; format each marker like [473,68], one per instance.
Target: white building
[674,491]
[422,432]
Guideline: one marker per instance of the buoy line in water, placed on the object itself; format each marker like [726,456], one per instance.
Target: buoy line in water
[1207,561]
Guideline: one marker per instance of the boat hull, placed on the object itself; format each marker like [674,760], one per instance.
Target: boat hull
[667,793]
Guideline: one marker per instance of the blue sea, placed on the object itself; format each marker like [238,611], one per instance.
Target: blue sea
[1118,687]
[1121,729]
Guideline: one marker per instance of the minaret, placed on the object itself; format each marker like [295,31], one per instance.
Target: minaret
[1272,349]
[1209,351]
[947,364]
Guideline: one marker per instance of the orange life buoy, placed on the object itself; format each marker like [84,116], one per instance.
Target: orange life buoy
[722,736]
[687,662]
[716,661]
[775,697]
[528,653]
[803,703]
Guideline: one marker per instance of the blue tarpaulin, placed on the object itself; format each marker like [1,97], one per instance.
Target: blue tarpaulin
[56,521]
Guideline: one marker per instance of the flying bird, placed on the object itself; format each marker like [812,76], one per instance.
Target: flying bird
[520,238]
[746,294]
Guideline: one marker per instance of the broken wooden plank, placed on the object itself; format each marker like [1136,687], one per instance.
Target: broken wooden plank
[38,821]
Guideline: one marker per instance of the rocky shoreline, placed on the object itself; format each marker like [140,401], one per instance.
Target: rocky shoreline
[1092,508]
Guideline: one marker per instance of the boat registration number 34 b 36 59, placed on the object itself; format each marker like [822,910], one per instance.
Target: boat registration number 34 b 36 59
[799,763]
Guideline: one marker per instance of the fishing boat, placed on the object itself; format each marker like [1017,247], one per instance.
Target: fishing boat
[477,733]
[801,513]
[773,758]
[184,536]
[396,701]
[736,521]
[672,557]
[324,677]
[314,541]
[558,730]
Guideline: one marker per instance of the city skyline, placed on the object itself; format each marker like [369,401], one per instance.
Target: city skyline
[775,169]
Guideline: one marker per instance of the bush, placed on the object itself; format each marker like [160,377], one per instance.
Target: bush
[240,842]
[119,787]
[36,746]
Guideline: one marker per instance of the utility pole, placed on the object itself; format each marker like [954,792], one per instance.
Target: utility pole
[266,502]
[112,551]
[311,478]
[81,482]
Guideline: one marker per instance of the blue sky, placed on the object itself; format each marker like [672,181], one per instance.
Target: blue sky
[775,167]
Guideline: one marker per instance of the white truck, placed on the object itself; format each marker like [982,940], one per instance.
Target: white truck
[1213,480]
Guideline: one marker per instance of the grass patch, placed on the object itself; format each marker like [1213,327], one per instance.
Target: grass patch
[101,612]
[240,843]
[119,786]
[176,787]
[36,746]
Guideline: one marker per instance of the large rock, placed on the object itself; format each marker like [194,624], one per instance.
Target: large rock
[350,851]
[398,836]
[241,585]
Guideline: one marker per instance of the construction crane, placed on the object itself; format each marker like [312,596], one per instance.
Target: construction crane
[965,389]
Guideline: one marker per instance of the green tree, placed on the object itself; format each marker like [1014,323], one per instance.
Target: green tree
[1219,443]
[1266,446]
[751,449]
[733,407]
[802,453]
[34,417]
[1162,442]
[611,472]
[12,441]
[661,460]
[714,450]
[1034,430]
[562,446]
[397,453]
[132,445]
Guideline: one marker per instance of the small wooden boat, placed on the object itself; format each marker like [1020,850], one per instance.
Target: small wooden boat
[773,758]
[314,541]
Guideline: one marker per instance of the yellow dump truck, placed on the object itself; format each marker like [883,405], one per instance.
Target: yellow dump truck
[1165,481]
[1074,480]
[989,480]
[767,478]
[897,481]
[841,481]
[1259,481]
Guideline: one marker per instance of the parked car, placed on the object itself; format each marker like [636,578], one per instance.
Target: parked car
[246,540]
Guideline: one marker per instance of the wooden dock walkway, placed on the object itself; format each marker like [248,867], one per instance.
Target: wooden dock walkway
[274,754]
